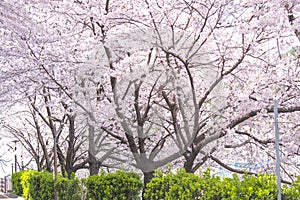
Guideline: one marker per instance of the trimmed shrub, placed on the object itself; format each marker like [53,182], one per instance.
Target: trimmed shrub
[183,186]
[25,178]
[68,189]
[261,187]
[33,185]
[291,192]
[113,186]
[41,186]
[173,186]
[16,183]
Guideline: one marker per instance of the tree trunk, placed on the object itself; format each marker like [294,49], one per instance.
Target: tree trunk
[147,178]
[94,165]
[189,162]
[69,173]
[188,165]
[71,145]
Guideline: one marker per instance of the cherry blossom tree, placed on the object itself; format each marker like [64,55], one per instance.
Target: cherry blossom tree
[37,48]
[232,48]
[191,82]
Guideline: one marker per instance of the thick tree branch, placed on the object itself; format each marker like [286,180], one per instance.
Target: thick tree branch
[121,139]
[264,142]
[253,113]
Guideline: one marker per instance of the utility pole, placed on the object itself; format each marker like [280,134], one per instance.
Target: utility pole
[278,179]
[55,161]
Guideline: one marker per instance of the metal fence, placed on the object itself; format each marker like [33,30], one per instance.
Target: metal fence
[5,184]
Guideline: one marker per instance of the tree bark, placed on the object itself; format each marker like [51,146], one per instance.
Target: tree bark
[147,178]
[94,165]
[188,165]
[189,162]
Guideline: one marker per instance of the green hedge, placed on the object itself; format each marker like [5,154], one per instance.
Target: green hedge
[185,186]
[41,186]
[68,189]
[33,185]
[292,192]
[25,182]
[113,186]
[16,183]
[261,187]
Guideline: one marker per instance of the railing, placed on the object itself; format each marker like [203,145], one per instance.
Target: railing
[5,184]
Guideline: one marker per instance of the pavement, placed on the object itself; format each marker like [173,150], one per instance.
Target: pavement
[8,196]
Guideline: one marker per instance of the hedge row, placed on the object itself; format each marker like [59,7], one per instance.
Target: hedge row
[186,186]
[113,186]
[33,185]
